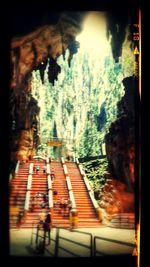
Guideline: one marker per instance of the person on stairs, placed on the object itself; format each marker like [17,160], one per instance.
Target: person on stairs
[32,204]
[69,206]
[37,168]
[52,175]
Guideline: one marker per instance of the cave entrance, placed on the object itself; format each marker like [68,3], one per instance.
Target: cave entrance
[82,102]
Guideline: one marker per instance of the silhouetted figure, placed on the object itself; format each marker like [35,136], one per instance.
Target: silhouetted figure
[16,198]
[38,198]
[32,204]
[69,206]
[37,168]
[44,169]
[45,199]
[52,176]
[65,207]
[34,169]
[19,219]
[47,227]
[62,205]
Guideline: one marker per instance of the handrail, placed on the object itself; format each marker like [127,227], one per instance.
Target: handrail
[31,168]
[27,201]
[62,160]
[49,182]
[65,169]
[47,160]
[93,200]
[58,237]
[77,161]
[17,167]
[89,189]
[48,171]
[91,244]
[110,240]
[71,196]
[87,183]
[81,170]
[50,198]
[29,182]
[68,183]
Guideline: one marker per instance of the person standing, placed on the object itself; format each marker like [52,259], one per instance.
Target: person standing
[32,204]
[47,227]
[19,219]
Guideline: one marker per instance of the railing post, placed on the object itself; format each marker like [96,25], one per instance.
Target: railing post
[57,242]
[91,244]
[94,247]
[37,235]
[32,234]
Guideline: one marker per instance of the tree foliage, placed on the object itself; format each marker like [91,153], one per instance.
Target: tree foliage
[82,103]
[95,170]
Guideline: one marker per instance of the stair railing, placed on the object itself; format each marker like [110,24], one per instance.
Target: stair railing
[71,195]
[49,182]
[97,252]
[48,171]
[69,186]
[59,246]
[62,160]
[27,201]
[17,167]
[90,191]
[31,168]
[29,183]
[50,199]
[47,160]
[50,189]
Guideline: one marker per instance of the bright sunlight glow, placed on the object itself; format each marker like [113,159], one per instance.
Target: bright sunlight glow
[93,37]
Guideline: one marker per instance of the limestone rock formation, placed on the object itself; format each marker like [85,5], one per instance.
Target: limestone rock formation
[114,199]
[28,53]
[120,141]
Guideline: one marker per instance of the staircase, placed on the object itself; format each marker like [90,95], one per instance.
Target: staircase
[18,188]
[59,184]
[39,184]
[86,213]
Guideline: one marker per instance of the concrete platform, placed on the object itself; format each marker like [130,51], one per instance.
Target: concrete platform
[21,243]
